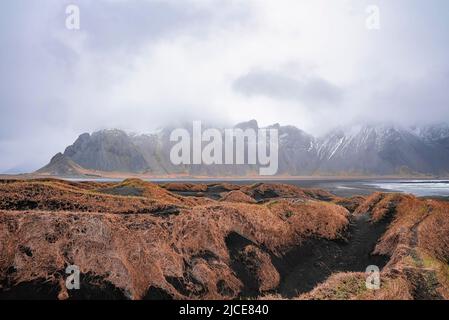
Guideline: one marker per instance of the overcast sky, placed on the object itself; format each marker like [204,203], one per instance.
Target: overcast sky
[141,64]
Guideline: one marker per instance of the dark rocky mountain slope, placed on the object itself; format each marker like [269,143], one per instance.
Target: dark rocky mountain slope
[357,150]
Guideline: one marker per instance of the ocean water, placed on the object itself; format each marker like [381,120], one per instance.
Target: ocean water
[340,187]
[421,188]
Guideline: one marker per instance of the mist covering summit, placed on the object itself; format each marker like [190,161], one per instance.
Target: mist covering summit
[358,150]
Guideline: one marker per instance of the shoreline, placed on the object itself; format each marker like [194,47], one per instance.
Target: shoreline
[340,186]
[124,176]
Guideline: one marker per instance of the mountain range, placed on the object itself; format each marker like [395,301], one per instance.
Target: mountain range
[358,150]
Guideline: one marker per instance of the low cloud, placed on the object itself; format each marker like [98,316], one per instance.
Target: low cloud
[142,64]
[308,90]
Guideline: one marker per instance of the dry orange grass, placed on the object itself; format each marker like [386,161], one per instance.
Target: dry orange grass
[380,205]
[267,190]
[237,196]
[417,241]
[58,197]
[48,224]
[419,228]
[193,187]
[259,264]
[260,224]
[352,286]
[433,232]
[410,212]
[312,218]
[142,188]
[351,203]
[133,254]
[184,255]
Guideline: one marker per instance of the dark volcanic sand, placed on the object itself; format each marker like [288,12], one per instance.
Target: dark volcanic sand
[315,260]
[302,268]
[341,188]
[308,265]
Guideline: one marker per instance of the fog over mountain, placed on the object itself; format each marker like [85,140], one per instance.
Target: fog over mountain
[140,65]
[356,150]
